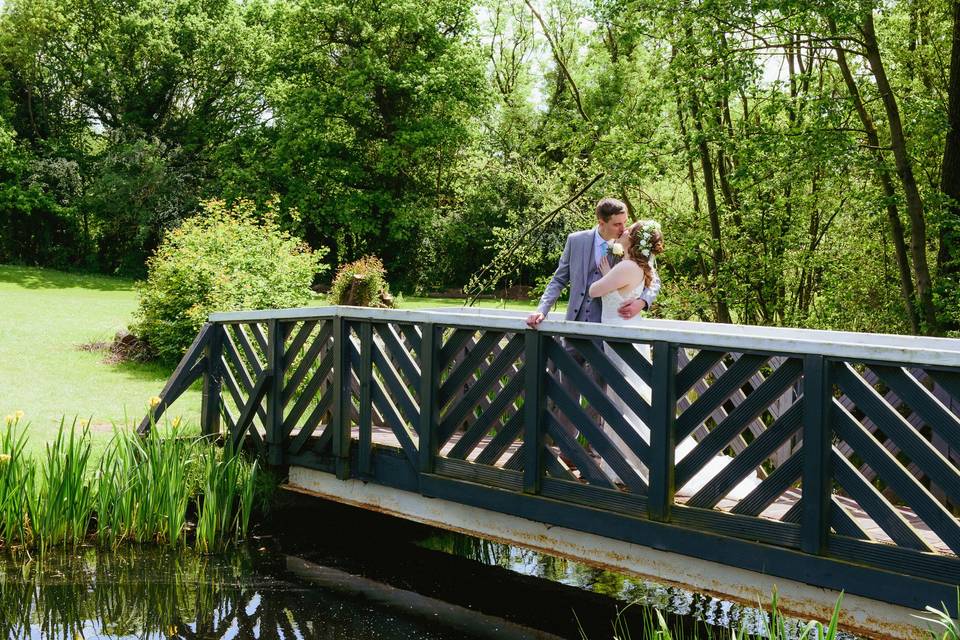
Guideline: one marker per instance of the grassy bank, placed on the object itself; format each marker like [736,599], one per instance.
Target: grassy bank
[45,316]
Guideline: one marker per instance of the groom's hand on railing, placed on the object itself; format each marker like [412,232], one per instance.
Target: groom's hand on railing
[630,308]
[534,319]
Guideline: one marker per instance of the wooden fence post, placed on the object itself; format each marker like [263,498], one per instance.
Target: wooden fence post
[341,402]
[534,403]
[275,357]
[429,395]
[663,384]
[817,443]
[365,417]
[212,382]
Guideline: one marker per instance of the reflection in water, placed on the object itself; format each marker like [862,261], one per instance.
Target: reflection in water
[245,594]
[694,606]
[148,593]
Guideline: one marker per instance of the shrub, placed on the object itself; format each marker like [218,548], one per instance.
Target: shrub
[362,283]
[224,259]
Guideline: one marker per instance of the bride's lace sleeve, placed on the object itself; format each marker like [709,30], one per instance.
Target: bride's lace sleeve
[649,294]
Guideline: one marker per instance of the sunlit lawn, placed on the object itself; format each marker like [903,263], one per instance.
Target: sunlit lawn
[46,315]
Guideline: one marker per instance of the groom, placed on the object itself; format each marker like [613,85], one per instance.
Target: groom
[579,267]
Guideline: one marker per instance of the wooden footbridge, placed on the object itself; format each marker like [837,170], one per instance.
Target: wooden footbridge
[457,419]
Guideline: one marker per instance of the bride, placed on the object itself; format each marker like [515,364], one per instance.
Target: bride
[636,277]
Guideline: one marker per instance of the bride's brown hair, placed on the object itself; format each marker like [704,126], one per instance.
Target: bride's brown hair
[637,246]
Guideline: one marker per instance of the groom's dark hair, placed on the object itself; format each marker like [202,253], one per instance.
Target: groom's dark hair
[609,207]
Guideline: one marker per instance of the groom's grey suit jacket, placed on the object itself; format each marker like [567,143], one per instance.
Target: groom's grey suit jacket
[578,268]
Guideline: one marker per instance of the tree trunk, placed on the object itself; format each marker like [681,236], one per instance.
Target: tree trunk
[918,224]
[893,215]
[948,258]
[713,212]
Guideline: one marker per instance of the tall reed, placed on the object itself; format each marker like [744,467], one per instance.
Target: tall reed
[227,501]
[60,503]
[143,489]
[17,482]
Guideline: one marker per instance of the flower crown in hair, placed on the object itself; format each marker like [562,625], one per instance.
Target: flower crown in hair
[644,236]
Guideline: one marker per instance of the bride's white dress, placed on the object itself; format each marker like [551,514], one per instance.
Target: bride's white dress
[610,303]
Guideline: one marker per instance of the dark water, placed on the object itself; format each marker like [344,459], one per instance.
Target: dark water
[335,573]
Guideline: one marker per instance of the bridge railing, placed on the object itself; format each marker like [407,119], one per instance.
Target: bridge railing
[831,458]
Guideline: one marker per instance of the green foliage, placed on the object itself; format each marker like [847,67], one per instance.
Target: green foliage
[228,494]
[224,260]
[136,99]
[361,283]
[433,135]
[376,104]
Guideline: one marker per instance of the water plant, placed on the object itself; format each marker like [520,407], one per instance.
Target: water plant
[227,502]
[144,489]
[17,478]
[60,501]
[942,618]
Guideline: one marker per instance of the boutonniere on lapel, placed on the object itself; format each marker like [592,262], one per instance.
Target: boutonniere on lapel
[615,253]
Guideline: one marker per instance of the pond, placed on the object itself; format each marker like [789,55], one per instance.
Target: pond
[334,573]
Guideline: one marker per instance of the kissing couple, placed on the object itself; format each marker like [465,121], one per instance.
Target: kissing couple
[611,270]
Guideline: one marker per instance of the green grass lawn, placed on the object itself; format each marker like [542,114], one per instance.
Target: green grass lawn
[44,318]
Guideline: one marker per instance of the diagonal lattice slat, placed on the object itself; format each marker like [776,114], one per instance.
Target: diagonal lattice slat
[599,400]
[399,392]
[322,342]
[390,414]
[614,378]
[239,337]
[873,503]
[748,460]
[922,401]
[905,485]
[310,393]
[296,341]
[717,393]
[399,355]
[589,469]
[468,366]
[484,384]
[475,432]
[911,443]
[505,437]
[772,487]
[755,404]
[609,451]
[454,345]
[703,363]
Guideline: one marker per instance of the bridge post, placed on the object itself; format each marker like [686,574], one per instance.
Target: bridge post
[274,426]
[429,405]
[663,383]
[533,406]
[365,421]
[341,406]
[817,446]
[212,382]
